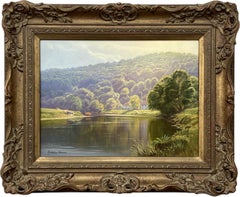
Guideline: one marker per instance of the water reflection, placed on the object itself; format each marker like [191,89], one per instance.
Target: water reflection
[99,136]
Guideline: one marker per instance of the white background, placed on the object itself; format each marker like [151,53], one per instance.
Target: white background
[237,93]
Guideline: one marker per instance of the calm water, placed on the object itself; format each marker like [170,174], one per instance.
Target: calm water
[99,136]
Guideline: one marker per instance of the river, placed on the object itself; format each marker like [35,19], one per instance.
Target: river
[100,135]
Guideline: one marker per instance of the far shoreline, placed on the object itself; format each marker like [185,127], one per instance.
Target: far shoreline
[102,115]
[59,114]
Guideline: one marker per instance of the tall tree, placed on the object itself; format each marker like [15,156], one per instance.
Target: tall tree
[135,102]
[86,96]
[173,94]
[73,102]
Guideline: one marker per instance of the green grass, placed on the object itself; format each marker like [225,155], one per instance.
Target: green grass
[184,142]
[188,122]
[133,112]
[48,113]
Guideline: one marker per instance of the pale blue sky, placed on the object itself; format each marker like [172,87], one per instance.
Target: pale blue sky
[75,53]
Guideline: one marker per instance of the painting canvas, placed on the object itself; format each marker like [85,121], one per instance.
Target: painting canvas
[119,98]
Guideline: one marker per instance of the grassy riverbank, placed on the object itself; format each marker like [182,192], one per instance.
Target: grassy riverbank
[188,123]
[48,114]
[133,112]
[184,142]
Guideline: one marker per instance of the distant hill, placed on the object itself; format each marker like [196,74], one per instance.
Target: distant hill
[110,85]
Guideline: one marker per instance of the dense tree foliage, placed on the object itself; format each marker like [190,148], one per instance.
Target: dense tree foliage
[96,106]
[109,86]
[112,103]
[135,102]
[174,93]
[67,101]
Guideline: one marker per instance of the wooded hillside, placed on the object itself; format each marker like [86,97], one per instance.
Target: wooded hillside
[108,86]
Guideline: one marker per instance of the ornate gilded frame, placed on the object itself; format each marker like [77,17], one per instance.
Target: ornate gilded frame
[214,24]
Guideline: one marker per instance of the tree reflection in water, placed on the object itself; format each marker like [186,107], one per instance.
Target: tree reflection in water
[100,136]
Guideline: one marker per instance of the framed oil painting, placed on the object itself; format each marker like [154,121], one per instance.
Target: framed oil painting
[119,97]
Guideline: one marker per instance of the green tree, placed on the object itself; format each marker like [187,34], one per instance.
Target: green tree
[124,99]
[138,89]
[124,96]
[96,106]
[194,81]
[118,84]
[86,96]
[111,104]
[135,102]
[73,102]
[84,93]
[104,97]
[172,94]
[68,101]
